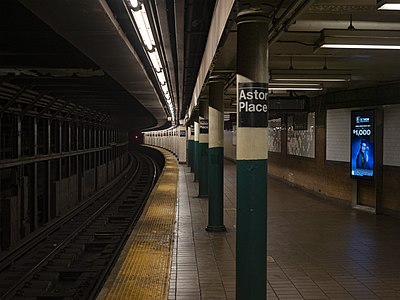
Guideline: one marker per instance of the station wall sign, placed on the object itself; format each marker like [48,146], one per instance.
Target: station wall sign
[252,104]
[203,125]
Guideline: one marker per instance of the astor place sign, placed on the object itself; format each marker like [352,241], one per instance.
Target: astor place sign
[252,104]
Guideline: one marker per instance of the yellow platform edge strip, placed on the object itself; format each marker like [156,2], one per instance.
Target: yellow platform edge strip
[143,268]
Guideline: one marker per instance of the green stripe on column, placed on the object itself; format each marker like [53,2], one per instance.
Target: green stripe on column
[251,238]
[216,189]
[190,155]
[196,160]
[216,155]
[203,169]
[196,153]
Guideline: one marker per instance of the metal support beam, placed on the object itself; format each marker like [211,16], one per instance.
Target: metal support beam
[69,137]
[29,160]
[48,189]
[12,100]
[1,155]
[19,137]
[32,104]
[48,107]
[59,130]
[48,137]
[59,110]
[35,136]
[35,196]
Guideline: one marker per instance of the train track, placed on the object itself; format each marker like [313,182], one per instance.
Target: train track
[72,258]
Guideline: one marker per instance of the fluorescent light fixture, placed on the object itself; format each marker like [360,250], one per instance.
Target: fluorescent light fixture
[293,84]
[143,25]
[360,39]
[161,77]
[310,75]
[388,5]
[134,3]
[155,60]
[295,89]
[141,20]
[366,46]
[165,89]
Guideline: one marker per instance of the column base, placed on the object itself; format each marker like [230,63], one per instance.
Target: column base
[219,228]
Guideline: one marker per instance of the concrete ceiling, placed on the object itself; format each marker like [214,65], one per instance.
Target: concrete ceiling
[87,52]
[294,31]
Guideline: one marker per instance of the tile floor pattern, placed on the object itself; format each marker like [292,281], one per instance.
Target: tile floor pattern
[317,249]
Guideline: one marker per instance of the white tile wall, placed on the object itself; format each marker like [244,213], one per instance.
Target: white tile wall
[229,148]
[391,135]
[302,142]
[274,135]
[338,128]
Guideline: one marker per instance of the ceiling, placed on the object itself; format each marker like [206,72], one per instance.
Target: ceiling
[88,52]
[294,31]
[34,56]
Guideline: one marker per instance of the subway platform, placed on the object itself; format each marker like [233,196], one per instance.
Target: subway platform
[317,249]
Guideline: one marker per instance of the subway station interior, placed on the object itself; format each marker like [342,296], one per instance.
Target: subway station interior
[199,149]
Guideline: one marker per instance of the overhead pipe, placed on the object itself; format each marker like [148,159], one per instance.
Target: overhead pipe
[291,13]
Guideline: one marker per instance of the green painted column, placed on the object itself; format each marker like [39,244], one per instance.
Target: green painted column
[252,150]
[190,131]
[216,156]
[192,148]
[203,148]
[196,154]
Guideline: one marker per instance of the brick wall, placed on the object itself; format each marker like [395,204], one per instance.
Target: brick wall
[329,175]
[328,178]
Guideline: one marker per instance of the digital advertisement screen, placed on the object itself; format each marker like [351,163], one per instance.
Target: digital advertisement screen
[362,144]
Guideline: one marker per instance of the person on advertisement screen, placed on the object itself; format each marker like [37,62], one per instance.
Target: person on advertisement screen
[362,156]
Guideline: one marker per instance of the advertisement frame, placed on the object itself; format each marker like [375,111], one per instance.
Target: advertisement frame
[363,140]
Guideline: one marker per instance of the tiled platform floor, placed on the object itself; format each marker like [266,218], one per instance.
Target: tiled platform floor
[316,249]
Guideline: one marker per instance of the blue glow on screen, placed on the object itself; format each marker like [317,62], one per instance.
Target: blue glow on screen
[362,158]
[362,144]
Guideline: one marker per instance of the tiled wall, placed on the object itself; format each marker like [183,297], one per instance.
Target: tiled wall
[338,135]
[391,135]
[302,142]
[274,135]
[229,147]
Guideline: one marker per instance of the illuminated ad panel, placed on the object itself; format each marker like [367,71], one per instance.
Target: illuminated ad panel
[362,144]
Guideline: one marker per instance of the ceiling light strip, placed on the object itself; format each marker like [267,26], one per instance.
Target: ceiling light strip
[388,5]
[142,22]
[360,39]
[361,46]
[305,75]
